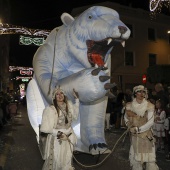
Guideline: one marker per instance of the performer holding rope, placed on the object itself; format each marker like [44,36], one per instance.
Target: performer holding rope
[139,116]
[56,123]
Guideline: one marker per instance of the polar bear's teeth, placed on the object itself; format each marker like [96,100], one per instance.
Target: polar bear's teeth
[106,71]
[123,43]
[105,65]
[109,41]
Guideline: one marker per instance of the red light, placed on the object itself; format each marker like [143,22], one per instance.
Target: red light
[144,79]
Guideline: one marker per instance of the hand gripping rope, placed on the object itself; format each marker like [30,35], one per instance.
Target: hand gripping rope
[99,164]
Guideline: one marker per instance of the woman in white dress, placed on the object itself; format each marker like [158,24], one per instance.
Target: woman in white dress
[56,122]
[158,127]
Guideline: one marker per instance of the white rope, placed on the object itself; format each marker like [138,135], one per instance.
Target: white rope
[99,164]
[53,64]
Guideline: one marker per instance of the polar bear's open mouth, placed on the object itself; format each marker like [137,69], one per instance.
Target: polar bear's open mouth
[97,50]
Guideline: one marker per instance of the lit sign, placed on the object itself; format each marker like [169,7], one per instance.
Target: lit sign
[26,72]
[144,79]
[25,80]
[31,40]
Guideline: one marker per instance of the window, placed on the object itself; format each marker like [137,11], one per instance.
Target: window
[152,59]
[151,34]
[131,29]
[129,58]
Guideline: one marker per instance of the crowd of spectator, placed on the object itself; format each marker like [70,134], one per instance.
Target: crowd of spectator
[8,108]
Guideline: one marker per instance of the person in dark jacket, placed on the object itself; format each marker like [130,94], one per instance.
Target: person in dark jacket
[118,108]
[109,111]
[161,94]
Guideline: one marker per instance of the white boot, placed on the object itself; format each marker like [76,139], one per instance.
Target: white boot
[151,166]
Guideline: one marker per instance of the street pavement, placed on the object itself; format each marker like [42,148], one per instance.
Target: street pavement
[19,149]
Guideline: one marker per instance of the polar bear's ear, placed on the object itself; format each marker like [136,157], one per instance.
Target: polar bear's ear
[67,19]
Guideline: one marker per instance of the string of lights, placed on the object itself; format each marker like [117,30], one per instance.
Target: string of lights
[156,6]
[34,36]
[13,29]
[18,68]
[24,71]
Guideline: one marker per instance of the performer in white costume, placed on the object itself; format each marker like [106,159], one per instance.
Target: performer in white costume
[56,122]
[139,116]
[158,127]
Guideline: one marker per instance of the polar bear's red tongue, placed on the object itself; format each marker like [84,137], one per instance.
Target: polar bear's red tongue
[96,53]
[97,59]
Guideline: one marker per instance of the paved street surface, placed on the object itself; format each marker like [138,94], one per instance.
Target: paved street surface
[19,149]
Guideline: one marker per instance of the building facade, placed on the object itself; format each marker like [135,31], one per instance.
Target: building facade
[147,46]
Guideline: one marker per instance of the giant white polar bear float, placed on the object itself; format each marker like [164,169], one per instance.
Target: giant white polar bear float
[76,55]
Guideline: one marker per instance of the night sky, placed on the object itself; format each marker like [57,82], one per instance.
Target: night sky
[46,15]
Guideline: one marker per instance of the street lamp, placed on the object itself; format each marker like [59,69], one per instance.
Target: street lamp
[168,36]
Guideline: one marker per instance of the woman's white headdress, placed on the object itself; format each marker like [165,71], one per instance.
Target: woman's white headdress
[139,88]
[57,89]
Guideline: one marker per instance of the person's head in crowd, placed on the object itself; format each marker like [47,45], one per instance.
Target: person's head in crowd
[153,93]
[159,104]
[158,87]
[128,92]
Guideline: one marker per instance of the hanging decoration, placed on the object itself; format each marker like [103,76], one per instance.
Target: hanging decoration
[26,72]
[36,36]
[23,40]
[156,6]
[23,78]
[13,29]
[18,68]
[23,71]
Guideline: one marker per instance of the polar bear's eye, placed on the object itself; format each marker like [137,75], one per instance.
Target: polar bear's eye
[90,17]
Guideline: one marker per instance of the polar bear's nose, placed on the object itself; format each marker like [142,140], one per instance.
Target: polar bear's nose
[122,29]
